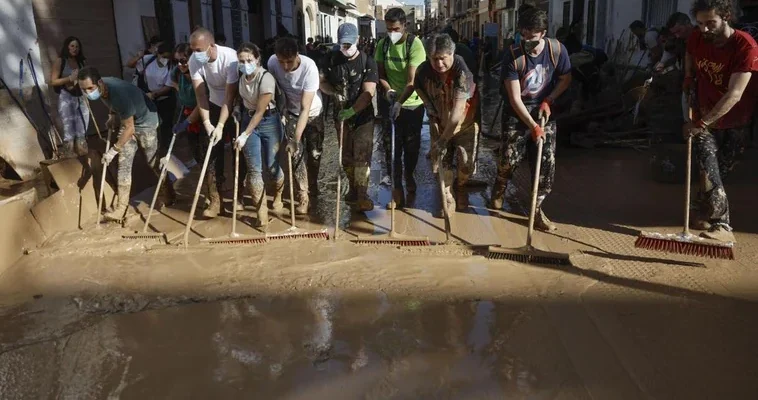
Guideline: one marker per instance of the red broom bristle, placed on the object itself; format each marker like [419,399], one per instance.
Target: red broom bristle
[686,248]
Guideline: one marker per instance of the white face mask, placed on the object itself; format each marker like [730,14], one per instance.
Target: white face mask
[349,53]
[162,60]
[395,37]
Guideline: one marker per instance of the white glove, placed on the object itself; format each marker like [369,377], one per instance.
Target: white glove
[391,95]
[109,156]
[395,111]
[162,162]
[240,142]
[217,134]
[208,127]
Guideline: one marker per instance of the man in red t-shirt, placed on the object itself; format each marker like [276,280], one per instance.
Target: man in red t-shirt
[722,60]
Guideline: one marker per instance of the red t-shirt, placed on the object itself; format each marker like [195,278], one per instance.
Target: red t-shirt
[713,68]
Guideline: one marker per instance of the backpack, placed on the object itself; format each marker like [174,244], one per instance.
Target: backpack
[76,91]
[139,77]
[408,43]
[519,58]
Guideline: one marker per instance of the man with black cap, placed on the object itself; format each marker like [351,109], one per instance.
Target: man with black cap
[350,75]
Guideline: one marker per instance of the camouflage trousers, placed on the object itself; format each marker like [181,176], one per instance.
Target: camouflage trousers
[147,139]
[459,155]
[357,147]
[716,154]
[517,144]
[306,161]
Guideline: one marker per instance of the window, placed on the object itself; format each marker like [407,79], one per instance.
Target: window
[591,22]
[566,14]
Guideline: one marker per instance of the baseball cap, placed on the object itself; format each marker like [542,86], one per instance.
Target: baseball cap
[347,33]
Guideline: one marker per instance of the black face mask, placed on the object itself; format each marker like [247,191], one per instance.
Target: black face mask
[530,45]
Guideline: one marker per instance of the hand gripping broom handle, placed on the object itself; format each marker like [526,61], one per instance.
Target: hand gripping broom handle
[292,189]
[102,180]
[535,187]
[237,176]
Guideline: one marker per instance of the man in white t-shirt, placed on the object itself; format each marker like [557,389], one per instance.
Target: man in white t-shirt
[648,40]
[298,77]
[215,66]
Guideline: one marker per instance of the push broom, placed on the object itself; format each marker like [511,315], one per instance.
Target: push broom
[293,232]
[528,254]
[685,243]
[393,238]
[200,181]
[234,237]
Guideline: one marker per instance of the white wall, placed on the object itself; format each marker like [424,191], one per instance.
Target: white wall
[128,15]
[18,36]
[206,8]
[182,28]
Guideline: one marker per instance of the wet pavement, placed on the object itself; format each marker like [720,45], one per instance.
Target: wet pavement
[90,315]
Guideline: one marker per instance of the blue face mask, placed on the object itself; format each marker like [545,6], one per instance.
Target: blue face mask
[94,95]
[202,56]
[247,68]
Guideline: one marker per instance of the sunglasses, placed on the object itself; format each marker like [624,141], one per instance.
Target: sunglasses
[183,61]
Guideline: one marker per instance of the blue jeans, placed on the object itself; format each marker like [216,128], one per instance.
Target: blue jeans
[262,147]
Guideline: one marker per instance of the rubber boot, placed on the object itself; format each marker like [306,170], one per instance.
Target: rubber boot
[80,146]
[461,197]
[398,199]
[214,208]
[448,201]
[119,212]
[167,193]
[410,184]
[352,195]
[67,149]
[497,195]
[542,223]
[276,189]
[302,204]
[721,233]
[313,168]
[363,202]
[259,202]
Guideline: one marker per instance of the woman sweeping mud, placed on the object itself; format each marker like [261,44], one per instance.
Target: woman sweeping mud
[262,130]
[71,108]
[189,117]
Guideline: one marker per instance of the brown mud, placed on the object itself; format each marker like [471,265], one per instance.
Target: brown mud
[91,315]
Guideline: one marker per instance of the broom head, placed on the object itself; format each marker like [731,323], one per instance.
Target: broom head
[158,237]
[237,239]
[296,233]
[528,255]
[393,239]
[685,244]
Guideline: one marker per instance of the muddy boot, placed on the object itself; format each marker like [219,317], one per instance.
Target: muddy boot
[259,202]
[699,223]
[398,199]
[214,208]
[67,149]
[461,198]
[542,223]
[276,190]
[302,204]
[80,146]
[497,195]
[363,202]
[410,184]
[119,212]
[720,232]
[167,194]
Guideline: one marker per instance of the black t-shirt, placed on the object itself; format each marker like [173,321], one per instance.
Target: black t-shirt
[348,76]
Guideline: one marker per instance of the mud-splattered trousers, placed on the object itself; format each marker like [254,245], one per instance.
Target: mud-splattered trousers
[356,154]
[307,159]
[716,154]
[516,144]
[144,137]
[75,118]
[407,142]
[460,154]
[261,152]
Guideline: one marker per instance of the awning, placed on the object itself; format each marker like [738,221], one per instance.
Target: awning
[338,3]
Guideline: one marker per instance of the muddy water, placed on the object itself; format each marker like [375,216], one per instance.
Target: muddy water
[324,346]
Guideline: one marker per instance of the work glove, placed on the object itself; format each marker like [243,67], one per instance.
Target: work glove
[545,108]
[181,127]
[395,110]
[391,95]
[208,127]
[292,147]
[239,143]
[109,155]
[346,114]
[537,133]
[217,134]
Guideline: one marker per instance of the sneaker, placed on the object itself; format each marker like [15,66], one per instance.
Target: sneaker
[542,223]
[719,232]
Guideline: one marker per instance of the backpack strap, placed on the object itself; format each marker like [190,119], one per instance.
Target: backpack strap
[554,46]
[519,59]
[408,44]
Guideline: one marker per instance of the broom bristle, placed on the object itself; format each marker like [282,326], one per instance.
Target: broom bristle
[680,245]
[307,235]
[393,242]
[238,241]
[157,236]
[528,258]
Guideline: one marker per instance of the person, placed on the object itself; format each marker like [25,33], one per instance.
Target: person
[298,77]
[680,25]
[465,52]
[189,114]
[351,75]
[157,76]
[447,87]
[140,60]
[648,41]
[721,60]
[215,67]
[397,57]
[73,112]
[309,47]
[262,134]
[534,75]
[138,118]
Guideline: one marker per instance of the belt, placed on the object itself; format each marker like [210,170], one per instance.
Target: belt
[268,112]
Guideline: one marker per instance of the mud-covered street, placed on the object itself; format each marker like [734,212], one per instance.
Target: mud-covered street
[91,315]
